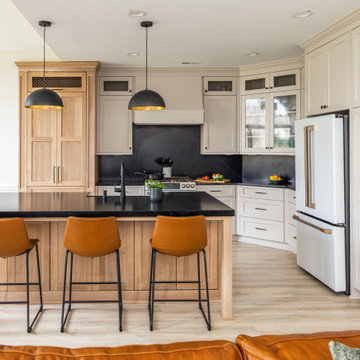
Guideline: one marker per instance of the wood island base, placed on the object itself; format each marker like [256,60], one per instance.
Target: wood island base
[135,252]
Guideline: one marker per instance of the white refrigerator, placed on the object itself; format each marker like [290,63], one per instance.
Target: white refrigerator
[322,199]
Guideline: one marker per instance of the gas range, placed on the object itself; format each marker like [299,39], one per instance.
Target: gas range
[177,183]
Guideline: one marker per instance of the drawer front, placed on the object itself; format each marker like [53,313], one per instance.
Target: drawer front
[291,210]
[261,209]
[291,236]
[290,196]
[262,229]
[130,190]
[266,193]
[217,190]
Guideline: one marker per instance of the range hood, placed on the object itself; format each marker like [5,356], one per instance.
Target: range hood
[183,99]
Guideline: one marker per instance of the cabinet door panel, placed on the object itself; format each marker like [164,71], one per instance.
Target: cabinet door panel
[285,80]
[315,77]
[71,141]
[41,147]
[255,123]
[219,86]
[355,34]
[219,130]
[254,84]
[338,95]
[115,125]
[285,108]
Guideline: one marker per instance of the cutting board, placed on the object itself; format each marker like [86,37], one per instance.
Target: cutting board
[200,181]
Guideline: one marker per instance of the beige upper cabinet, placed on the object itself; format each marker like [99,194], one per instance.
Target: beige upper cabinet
[355,37]
[219,129]
[115,85]
[327,77]
[216,85]
[269,82]
[114,125]
[268,122]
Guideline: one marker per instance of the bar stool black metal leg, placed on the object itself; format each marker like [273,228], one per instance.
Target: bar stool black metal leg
[119,288]
[199,282]
[39,277]
[63,321]
[152,290]
[150,282]
[27,294]
[207,293]
[71,277]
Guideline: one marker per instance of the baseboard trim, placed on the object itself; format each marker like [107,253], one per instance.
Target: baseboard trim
[270,244]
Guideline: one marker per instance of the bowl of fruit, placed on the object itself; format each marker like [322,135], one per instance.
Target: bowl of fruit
[276,180]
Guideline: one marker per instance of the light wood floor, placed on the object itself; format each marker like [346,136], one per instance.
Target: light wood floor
[271,295]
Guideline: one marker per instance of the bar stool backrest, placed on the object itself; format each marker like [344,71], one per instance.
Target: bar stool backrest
[179,236]
[92,236]
[14,238]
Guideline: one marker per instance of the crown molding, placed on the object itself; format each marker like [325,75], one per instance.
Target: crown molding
[169,71]
[271,66]
[58,65]
[332,31]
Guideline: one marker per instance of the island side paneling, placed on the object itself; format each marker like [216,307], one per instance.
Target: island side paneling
[135,254]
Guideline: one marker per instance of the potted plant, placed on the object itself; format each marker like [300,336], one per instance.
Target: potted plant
[155,187]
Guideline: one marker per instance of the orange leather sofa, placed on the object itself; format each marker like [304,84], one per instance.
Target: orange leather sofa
[265,347]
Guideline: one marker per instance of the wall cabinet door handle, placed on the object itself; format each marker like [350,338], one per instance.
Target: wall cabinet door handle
[261,229]
[325,106]
[54,174]
[262,209]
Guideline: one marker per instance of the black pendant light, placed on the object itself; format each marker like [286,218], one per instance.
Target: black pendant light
[44,98]
[146,100]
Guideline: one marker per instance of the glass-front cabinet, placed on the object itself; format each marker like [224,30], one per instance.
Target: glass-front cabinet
[269,82]
[268,122]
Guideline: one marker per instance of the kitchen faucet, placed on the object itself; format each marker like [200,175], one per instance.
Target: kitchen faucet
[121,188]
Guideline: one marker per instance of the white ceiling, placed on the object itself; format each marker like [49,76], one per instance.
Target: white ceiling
[215,32]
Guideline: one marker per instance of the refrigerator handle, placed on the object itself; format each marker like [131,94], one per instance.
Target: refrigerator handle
[308,167]
[325,231]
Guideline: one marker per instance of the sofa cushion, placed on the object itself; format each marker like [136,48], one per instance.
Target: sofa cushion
[296,346]
[202,350]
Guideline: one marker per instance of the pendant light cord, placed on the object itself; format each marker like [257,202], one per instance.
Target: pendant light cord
[44,59]
[146,61]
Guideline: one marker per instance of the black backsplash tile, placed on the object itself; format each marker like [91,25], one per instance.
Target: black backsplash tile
[260,167]
[183,144]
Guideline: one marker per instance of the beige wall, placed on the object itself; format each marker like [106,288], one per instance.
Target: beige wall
[9,114]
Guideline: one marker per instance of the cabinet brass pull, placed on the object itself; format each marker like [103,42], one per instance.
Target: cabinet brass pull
[325,231]
[260,192]
[215,190]
[261,229]
[59,173]
[262,209]
[325,106]
[54,174]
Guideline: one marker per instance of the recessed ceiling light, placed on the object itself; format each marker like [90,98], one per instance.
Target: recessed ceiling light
[136,13]
[253,53]
[132,53]
[190,62]
[302,14]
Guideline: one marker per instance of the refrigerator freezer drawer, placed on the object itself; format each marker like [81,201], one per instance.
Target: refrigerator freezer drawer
[321,251]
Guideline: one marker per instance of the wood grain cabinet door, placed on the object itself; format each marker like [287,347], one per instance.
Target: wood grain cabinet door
[41,147]
[71,140]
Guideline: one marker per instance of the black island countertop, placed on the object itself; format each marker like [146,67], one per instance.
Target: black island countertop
[64,204]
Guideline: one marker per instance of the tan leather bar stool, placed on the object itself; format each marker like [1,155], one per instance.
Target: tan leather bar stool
[179,236]
[14,241]
[91,237]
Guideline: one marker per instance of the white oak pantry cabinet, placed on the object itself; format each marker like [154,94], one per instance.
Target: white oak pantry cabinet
[57,147]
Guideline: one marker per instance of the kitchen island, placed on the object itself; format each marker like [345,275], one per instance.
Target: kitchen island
[45,215]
